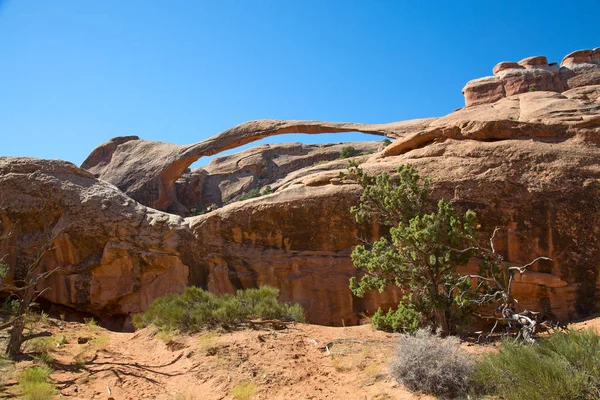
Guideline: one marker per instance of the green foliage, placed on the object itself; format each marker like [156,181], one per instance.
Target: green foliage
[255,193]
[431,364]
[196,309]
[561,366]
[405,319]
[201,210]
[252,193]
[390,199]
[421,252]
[34,385]
[3,271]
[386,142]
[11,306]
[348,151]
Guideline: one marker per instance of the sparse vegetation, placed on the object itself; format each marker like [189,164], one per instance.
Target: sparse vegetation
[252,193]
[9,306]
[201,210]
[405,319]
[561,366]
[23,284]
[322,162]
[430,364]
[33,384]
[349,151]
[100,342]
[40,345]
[6,367]
[386,142]
[92,324]
[243,391]
[197,309]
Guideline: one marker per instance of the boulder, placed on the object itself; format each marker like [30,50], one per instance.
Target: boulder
[115,254]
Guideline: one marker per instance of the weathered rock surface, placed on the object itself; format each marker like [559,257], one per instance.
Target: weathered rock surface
[542,193]
[147,171]
[580,68]
[117,254]
[226,178]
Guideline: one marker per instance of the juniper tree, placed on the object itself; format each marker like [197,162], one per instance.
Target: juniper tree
[421,248]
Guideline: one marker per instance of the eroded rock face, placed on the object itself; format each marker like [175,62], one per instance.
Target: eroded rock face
[117,255]
[226,178]
[542,194]
[147,171]
[580,68]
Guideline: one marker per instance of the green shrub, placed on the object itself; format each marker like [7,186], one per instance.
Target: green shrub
[252,193]
[33,383]
[348,151]
[405,319]
[11,306]
[197,309]
[201,210]
[562,366]
[386,142]
[431,364]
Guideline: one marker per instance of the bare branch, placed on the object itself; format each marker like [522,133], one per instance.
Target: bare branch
[496,230]
[524,267]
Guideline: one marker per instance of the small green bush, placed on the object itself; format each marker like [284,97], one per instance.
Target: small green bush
[405,319]
[252,193]
[431,364]
[348,151]
[386,142]
[11,306]
[197,309]
[201,210]
[3,270]
[33,383]
[562,366]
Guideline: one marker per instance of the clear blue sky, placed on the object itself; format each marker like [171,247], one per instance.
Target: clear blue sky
[75,73]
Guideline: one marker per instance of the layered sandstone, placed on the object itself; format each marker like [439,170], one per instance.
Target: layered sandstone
[147,170]
[226,178]
[577,69]
[115,254]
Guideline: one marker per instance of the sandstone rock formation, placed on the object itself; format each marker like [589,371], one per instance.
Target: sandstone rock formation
[117,254]
[226,178]
[147,171]
[577,69]
[528,163]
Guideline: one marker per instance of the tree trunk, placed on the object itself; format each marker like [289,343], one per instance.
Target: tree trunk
[16,333]
[441,321]
[16,338]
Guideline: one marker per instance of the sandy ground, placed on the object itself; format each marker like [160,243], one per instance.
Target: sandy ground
[302,362]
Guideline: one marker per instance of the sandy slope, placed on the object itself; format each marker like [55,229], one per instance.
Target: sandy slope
[285,364]
[302,362]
